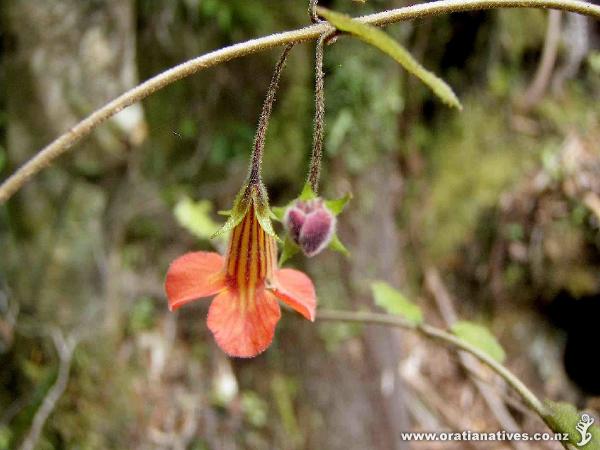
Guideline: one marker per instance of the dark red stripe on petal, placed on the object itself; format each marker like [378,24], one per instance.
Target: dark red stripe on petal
[242,281]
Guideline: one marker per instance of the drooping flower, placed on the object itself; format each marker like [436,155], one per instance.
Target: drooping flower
[246,281]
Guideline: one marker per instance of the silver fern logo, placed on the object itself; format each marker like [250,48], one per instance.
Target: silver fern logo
[582,427]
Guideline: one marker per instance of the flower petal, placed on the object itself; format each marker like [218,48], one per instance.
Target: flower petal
[192,276]
[243,329]
[296,290]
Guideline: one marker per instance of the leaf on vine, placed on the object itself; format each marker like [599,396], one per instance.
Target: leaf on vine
[563,417]
[377,38]
[480,337]
[394,302]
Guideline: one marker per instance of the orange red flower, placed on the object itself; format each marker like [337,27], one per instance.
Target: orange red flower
[247,283]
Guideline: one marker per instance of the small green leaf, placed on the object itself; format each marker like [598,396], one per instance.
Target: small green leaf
[336,206]
[480,337]
[289,249]
[195,217]
[563,418]
[337,246]
[394,302]
[377,38]
[307,193]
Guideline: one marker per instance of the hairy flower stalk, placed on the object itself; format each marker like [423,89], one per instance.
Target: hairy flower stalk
[246,281]
[310,220]
[314,170]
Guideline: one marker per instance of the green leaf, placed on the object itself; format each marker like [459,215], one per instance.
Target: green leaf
[480,337]
[377,38]
[195,217]
[336,206]
[289,249]
[337,246]
[563,418]
[307,193]
[394,302]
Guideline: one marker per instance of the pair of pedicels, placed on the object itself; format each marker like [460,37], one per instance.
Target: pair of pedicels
[248,280]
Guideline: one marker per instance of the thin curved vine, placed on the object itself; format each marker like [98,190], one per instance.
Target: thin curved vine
[66,141]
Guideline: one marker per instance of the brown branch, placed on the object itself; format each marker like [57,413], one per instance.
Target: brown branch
[66,141]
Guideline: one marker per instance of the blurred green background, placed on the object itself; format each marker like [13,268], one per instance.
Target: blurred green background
[501,199]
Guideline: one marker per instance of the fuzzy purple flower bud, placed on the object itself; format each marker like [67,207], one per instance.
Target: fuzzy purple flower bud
[310,225]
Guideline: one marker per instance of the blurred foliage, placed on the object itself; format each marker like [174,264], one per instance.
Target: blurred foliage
[196,218]
[473,161]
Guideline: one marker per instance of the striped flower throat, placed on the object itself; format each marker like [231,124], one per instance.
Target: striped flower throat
[251,257]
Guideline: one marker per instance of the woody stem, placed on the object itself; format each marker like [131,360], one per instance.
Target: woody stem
[265,115]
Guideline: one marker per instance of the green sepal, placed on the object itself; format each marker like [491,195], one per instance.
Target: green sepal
[307,193]
[251,193]
[337,205]
[263,213]
[237,212]
[337,246]
[289,249]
